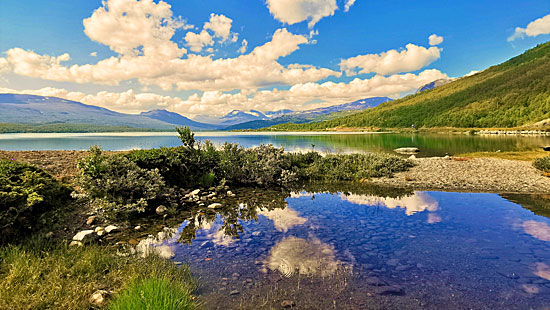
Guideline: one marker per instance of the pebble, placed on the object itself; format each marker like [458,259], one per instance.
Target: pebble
[161,210]
[99,297]
[82,234]
[234,292]
[214,205]
[111,228]
[90,220]
[288,304]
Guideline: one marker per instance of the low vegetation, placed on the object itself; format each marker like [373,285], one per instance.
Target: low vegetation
[139,181]
[543,164]
[65,128]
[40,274]
[30,199]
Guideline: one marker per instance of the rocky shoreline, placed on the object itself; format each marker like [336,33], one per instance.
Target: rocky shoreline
[471,175]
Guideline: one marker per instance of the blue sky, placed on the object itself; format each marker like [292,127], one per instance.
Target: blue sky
[320,54]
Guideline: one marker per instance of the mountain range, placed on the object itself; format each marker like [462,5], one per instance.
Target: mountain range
[18,111]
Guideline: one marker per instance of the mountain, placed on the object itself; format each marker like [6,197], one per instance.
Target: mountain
[512,94]
[176,119]
[51,112]
[434,84]
[237,117]
[307,116]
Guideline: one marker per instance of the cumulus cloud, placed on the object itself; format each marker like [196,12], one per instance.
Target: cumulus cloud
[197,41]
[243,47]
[533,29]
[434,39]
[412,58]
[221,26]
[295,11]
[298,97]
[257,69]
[131,27]
[348,5]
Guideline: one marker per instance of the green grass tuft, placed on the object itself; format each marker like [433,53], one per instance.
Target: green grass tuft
[153,293]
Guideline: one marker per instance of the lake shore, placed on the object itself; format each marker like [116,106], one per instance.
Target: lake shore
[436,173]
[470,174]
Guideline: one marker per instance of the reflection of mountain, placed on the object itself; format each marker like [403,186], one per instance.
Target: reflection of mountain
[417,202]
[283,219]
[538,204]
[306,257]
[539,230]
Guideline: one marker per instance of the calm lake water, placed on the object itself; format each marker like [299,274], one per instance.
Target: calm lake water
[344,250]
[429,144]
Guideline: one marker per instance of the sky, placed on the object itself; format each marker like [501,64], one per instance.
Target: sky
[209,57]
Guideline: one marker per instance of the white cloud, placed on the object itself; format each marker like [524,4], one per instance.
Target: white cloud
[93,54]
[219,103]
[243,47]
[295,11]
[131,27]
[348,5]
[256,69]
[410,59]
[197,41]
[221,26]
[434,39]
[533,29]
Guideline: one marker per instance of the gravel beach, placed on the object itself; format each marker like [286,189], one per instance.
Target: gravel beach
[472,175]
[437,173]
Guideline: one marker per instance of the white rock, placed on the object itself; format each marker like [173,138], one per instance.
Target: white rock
[406,150]
[161,210]
[137,227]
[75,243]
[412,157]
[111,228]
[214,205]
[164,251]
[82,234]
[99,297]
[195,192]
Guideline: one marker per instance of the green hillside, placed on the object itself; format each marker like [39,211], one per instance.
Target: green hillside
[512,94]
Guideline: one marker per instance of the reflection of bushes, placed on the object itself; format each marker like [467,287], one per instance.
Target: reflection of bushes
[139,179]
[29,198]
[542,164]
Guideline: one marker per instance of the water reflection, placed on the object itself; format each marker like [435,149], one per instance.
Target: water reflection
[538,230]
[283,219]
[417,202]
[416,246]
[309,257]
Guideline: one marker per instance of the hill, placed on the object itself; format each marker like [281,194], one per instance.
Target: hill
[513,94]
[176,119]
[313,115]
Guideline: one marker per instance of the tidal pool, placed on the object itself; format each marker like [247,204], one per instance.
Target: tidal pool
[368,250]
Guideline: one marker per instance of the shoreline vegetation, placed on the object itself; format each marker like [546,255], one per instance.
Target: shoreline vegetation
[66,202]
[94,268]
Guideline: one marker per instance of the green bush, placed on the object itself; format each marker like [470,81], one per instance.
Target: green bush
[118,186]
[542,164]
[153,293]
[29,199]
[355,167]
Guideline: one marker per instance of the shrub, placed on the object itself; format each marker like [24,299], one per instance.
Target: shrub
[152,293]
[542,164]
[355,167]
[29,198]
[118,186]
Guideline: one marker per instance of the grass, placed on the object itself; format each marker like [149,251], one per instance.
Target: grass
[153,293]
[41,274]
[517,155]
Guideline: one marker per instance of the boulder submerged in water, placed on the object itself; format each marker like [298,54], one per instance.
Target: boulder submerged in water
[407,150]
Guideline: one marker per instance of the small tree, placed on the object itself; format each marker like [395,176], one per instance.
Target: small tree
[186,136]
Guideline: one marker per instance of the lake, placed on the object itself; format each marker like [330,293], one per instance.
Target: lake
[368,249]
[429,144]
